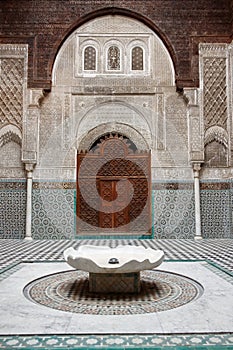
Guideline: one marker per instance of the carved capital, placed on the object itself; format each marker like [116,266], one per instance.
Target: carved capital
[191,96]
[35,96]
[29,157]
[29,167]
[196,167]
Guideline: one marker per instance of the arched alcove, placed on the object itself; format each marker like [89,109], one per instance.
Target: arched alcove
[113,188]
[112,13]
[10,147]
[119,32]
[216,147]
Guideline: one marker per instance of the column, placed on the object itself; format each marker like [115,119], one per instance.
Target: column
[29,170]
[196,171]
[30,147]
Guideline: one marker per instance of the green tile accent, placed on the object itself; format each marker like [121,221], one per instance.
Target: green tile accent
[219,341]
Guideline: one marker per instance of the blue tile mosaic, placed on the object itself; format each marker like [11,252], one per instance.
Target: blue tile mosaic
[216,213]
[53,213]
[174,213]
[12,209]
[121,341]
[173,210]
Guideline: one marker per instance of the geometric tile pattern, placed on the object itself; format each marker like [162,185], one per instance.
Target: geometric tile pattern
[174,214]
[219,272]
[53,214]
[11,91]
[69,291]
[12,212]
[215,96]
[122,341]
[173,210]
[7,272]
[218,252]
[216,214]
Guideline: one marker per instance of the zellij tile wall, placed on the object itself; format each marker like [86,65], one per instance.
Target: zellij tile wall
[173,209]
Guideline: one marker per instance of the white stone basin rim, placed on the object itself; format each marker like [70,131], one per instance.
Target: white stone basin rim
[95,259]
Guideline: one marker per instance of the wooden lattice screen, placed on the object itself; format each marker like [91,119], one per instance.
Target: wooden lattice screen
[113,189]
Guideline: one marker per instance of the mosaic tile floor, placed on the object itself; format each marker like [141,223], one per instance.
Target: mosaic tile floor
[68,291]
[218,252]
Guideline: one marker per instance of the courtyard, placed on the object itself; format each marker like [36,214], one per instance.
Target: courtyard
[199,321]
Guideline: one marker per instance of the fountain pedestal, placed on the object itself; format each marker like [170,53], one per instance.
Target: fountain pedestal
[114,282]
[113,270]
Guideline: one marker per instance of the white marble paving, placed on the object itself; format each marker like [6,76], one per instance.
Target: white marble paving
[212,312]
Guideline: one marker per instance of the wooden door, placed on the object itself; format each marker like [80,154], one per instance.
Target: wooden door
[114,208]
[113,189]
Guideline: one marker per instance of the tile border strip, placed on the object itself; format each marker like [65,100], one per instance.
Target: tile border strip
[118,341]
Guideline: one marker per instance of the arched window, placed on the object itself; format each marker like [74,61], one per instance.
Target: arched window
[90,58]
[215,154]
[216,147]
[137,58]
[113,58]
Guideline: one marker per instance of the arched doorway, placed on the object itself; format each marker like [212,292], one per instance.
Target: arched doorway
[113,188]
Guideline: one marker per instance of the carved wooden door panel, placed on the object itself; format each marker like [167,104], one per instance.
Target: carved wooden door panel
[113,189]
[121,216]
[106,207]
[114,209]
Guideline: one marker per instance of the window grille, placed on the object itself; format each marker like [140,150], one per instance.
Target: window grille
[137,58]
[90,58]
[113,58]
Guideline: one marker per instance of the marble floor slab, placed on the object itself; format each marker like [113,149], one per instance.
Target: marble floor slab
[212,312]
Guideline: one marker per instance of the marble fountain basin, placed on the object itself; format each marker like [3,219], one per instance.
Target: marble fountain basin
[113,269]
[101,259]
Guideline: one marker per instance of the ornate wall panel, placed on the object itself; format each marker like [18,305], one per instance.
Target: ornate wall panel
[50,120]
[11,165]
[13,84]
[11,90]
[174,211]
[120,128]
[161,126]
[116,113]
[13,68]
[66,123]
[215,94]
[53,215]
[113,189]
[215,87]
[119,31]
[216,210]
[176,151]
[12,209]
[52,211]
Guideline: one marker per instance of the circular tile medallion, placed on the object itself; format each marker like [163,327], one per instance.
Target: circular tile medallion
[68,291]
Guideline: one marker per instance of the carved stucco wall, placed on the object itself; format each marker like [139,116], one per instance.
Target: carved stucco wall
[13,84]
[146,108]
[216,109]
[124,30]
[82,103]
